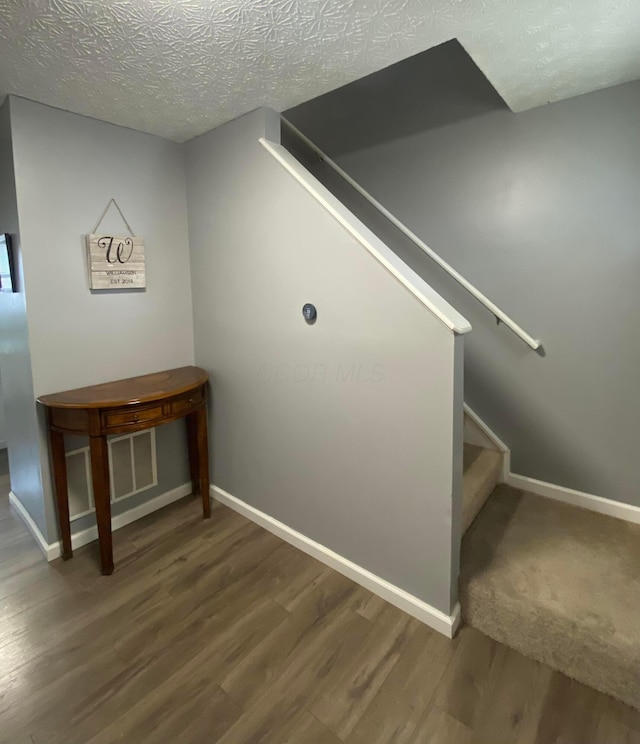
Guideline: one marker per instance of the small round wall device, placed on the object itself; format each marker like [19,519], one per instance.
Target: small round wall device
[309,313]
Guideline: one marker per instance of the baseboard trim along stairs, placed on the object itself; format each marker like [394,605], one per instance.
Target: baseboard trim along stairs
[598,504]
[445,624]
[484,436]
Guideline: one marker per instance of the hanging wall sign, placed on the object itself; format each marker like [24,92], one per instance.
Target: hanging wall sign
[116,262]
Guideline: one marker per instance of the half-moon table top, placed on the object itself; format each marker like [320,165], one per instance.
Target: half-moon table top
[133,390]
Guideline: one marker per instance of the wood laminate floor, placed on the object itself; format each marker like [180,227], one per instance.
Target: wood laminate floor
[219,633]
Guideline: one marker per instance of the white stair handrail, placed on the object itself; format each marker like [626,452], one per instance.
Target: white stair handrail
[500,316]
[436,304]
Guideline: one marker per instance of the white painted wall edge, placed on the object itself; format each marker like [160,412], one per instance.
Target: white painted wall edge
[30,524]
[3,444]
[434,618]
[500,445]
[436,304]
[51,551]
[598,504]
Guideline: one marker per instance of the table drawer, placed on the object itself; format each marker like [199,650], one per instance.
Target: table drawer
[124,417]
[187,402]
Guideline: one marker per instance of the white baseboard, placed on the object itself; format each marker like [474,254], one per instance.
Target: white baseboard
[495,439]
[52,551]
[30,525]
[576,498]
[445,624]
[550,490]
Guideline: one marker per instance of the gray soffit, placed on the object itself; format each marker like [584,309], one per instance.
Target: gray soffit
[432,89]
[178,68]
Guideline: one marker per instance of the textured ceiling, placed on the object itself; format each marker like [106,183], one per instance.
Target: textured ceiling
[181,67]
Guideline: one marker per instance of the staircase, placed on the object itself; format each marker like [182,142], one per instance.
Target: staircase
[559,584]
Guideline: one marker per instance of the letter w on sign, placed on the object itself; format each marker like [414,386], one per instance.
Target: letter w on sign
[116,262]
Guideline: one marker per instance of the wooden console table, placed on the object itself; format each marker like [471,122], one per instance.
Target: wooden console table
[119,408]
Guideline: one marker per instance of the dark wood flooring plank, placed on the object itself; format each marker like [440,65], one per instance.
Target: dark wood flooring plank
[306,729]
[573,713]
[141,657]
[26,567]
[294,575]
[248,678]
[280,703]
[195,656]
[15,542]
[68,672]
[22,711]
[438,727]
[464,681]
[183,517]
[405,695]
[220,565]
[222,605]
[369,605]
[154,562]
[512,699]
[353,685]
[71,612]
[188,713]
[30,596]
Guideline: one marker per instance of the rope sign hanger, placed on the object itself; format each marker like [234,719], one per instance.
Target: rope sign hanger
[124,219]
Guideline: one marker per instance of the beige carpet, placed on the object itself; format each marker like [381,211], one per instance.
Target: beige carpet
[559,584]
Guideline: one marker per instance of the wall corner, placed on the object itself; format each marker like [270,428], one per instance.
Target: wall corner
[271,124]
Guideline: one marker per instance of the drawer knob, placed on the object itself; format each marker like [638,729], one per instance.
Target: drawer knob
[190,400]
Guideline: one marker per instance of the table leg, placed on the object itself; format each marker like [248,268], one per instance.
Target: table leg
[203,459]
[59,465]
[101,497]
[192,440]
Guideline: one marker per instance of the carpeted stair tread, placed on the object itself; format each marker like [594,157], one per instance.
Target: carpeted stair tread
[558,583]
[481,473]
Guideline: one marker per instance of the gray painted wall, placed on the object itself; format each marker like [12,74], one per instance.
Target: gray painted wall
[343,430]
[15,357]
[540,211]
[67,168]
[172,458]
[3,428]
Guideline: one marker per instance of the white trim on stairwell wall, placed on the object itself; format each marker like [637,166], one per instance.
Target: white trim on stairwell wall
[51,551]
[436,304]
[627,512]
[474,291]
[499,444]
[599,504]
[445,624]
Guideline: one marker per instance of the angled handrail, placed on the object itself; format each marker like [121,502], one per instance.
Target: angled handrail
[500,316]
[436,304]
